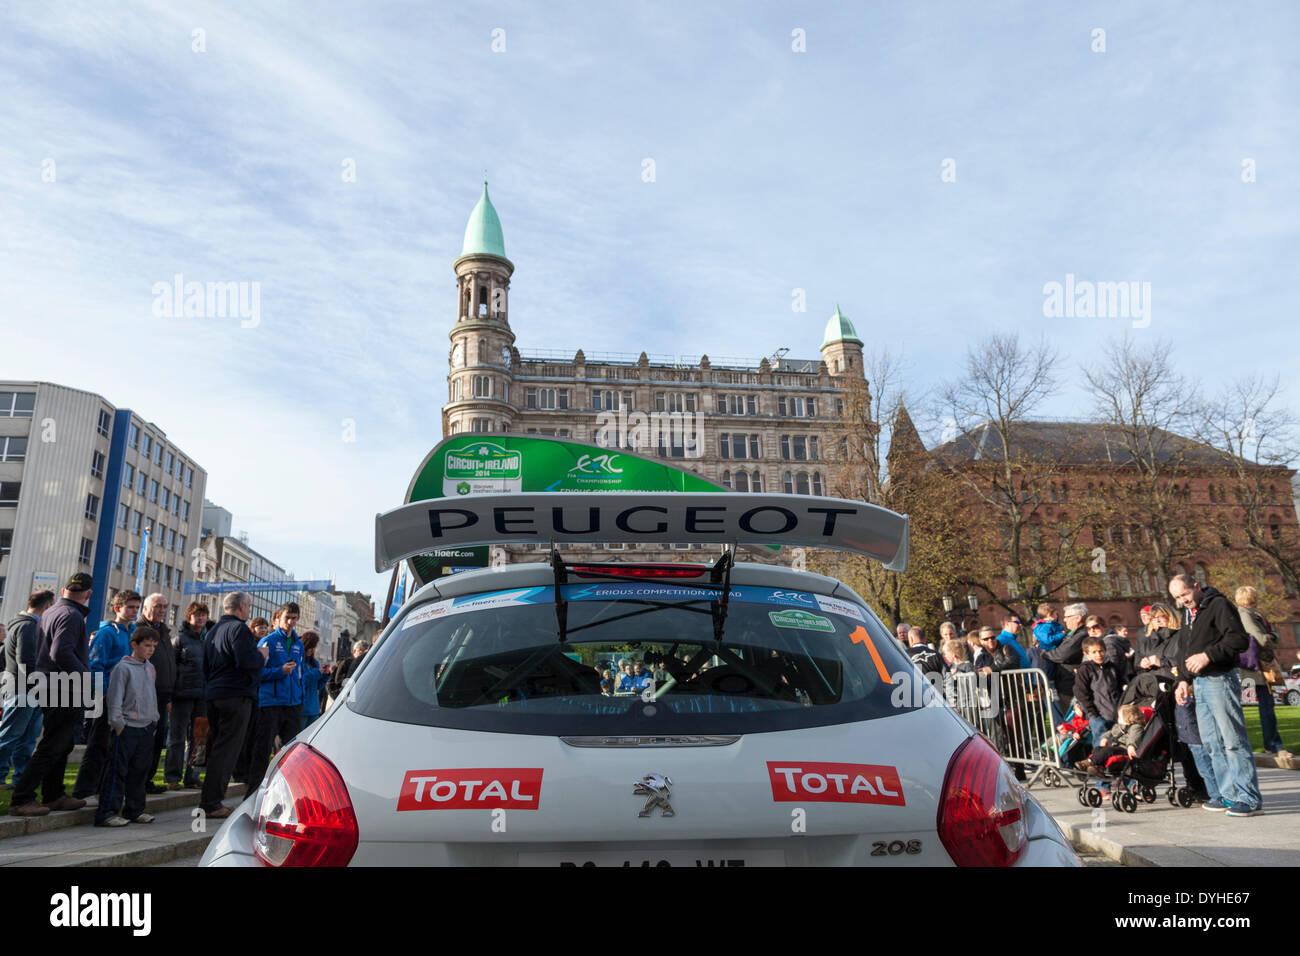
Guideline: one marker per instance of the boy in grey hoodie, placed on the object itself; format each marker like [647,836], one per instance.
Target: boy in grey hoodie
[132,713]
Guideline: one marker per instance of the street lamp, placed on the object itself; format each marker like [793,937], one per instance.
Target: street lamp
[947,604]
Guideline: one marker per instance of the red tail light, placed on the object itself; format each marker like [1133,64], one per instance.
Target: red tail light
[305,817]
[639,570]
[982,808]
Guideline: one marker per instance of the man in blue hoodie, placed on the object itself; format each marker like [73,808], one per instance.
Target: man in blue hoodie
[111,643]
[279,701]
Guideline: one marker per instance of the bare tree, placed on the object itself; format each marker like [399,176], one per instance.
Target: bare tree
[997,464]
[1146,407]
[1255,437]
[882,460]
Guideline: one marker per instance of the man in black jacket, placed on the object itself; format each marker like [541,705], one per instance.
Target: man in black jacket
[232,664]
[1069,653]
[21,724]
[1213,640]
[339,680]
[62,652]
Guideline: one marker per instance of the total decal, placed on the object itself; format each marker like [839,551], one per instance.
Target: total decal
[804,781]
[478,788]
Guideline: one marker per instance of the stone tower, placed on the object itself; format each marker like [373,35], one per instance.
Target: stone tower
[841,348]
[481,374]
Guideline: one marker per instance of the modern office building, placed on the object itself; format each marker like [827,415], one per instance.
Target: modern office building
[86,486]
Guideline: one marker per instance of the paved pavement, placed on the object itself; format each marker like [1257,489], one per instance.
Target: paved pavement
[1161,835]
[71,839]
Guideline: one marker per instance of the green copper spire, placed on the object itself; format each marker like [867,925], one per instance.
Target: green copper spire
[483,234]
[839,329]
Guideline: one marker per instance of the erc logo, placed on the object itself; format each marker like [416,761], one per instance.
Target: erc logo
[601,465]
[483,460]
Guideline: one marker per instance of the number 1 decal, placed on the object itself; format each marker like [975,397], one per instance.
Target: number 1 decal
[860,636]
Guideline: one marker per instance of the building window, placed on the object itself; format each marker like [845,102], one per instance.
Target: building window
[14,448]
[171,539]
[86,552]
[726,479]
[801,483]
[157,453]
[482,386]
[136,518]
[756,482]
[817,483]
[6,541]
[735,404]
[795,447]
[17,404]
[92,507]
[102,425]
[133,436]
[131,558]
[146,445]
[122,512]
[189,476]
[97,465]
[787,482]
[141,479]
[180,544]
[166,500]
[742,481]
[153,490]
[176,503]
[117,557]
[795,407]
[171,461]
[9,493]
[185,511]
[606,401]
[481,426]
[128,476]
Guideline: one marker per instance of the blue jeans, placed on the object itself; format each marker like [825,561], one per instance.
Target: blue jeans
[1203,764]
[1223,734]
[19,729]
[1267,718]
[1098,727]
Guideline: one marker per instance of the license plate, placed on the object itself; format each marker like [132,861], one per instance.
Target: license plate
[649,858]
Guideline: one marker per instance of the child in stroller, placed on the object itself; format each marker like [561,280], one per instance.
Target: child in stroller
[1136,752]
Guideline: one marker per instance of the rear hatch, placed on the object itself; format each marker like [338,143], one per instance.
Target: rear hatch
[642,723]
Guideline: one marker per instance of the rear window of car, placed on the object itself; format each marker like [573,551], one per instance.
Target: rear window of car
[636,659]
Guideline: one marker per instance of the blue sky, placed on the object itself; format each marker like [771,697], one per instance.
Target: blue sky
[774,170]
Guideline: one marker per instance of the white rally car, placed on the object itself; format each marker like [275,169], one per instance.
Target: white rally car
[639,715]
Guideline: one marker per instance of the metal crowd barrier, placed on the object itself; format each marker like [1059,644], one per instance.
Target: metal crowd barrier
[1013,709]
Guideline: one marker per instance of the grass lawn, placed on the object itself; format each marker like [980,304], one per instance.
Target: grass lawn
[1288,725]
[69,778]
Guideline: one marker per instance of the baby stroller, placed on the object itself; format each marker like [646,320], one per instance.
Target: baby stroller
[1137,778]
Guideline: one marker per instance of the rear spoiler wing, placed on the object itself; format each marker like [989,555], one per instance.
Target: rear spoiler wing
[835,524]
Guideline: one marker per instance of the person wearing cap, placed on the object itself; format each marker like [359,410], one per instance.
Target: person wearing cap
[62,648]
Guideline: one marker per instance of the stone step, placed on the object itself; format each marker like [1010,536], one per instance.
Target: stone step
[169,838]
[12,827]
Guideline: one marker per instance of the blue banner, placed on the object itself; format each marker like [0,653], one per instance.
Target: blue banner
[226,587]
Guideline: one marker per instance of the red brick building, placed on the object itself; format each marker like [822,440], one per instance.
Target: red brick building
[1185,506]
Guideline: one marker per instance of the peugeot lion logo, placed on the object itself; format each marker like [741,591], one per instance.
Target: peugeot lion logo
[655,788]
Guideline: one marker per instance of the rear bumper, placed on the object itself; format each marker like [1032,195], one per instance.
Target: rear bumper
[1047,844]
[233,843]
